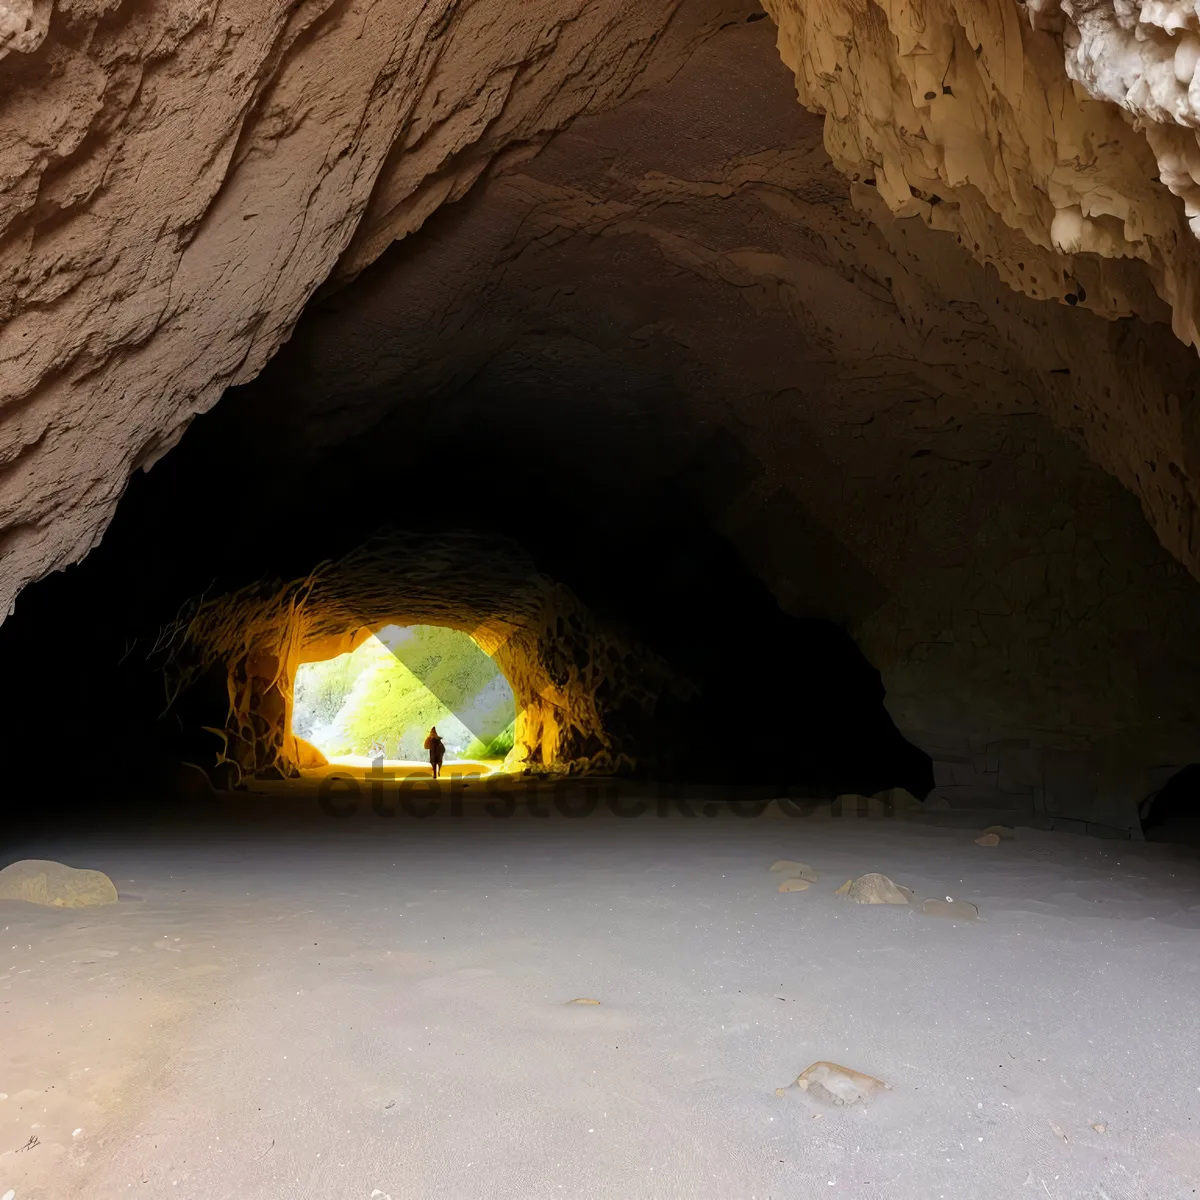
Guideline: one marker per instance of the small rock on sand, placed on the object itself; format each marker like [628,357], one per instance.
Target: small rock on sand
[40,881]
[988,839]
[794,885]
[957,910]
[875,889]
[1099,1127]
[838,1086]
[583,1000]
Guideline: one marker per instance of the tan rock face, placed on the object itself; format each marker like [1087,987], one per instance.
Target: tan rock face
[177,178]
[53,885]
[1003,125]
[876,889]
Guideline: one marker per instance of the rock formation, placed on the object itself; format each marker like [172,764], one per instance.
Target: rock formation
[54,885]
[912,360]
[179,178]
[577,689]
[1064,179]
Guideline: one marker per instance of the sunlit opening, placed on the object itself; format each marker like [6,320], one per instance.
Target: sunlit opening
[378,704]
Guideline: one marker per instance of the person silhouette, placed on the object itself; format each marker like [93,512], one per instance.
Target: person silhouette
[437,751]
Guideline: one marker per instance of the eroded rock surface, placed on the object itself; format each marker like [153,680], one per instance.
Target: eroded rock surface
[895,440]
[54,885]
[177,179]
[1008,126]
[875,888]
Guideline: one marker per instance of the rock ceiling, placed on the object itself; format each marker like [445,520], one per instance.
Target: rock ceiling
[179,176]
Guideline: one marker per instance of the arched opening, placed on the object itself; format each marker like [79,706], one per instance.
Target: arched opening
[578,685]
[376,704]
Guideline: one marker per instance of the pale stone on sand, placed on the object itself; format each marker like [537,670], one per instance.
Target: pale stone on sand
[40,881]
[876,889]
[958,910]
[837,1085]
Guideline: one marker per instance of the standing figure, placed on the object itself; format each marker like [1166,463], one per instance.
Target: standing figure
[437,751]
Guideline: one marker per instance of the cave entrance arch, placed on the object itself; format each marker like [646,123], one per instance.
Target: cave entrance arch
[374,705]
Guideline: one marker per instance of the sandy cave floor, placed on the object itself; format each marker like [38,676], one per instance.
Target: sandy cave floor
[367,1008]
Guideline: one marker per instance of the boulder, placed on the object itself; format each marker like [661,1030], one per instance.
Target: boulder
[40,881]
[875,889]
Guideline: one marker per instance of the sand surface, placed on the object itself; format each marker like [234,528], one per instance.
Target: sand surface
[372,1008]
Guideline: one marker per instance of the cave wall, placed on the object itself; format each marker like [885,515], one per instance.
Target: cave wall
[1056,143]
[179,178]
[894,449]
[919,360]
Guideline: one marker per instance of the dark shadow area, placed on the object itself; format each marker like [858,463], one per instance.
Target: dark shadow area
[598,506]
[1173,812]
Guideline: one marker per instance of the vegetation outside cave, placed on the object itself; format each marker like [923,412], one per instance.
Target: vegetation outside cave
[398,684]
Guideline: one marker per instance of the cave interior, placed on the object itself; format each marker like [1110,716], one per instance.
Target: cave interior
[733,485]
[797,404]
